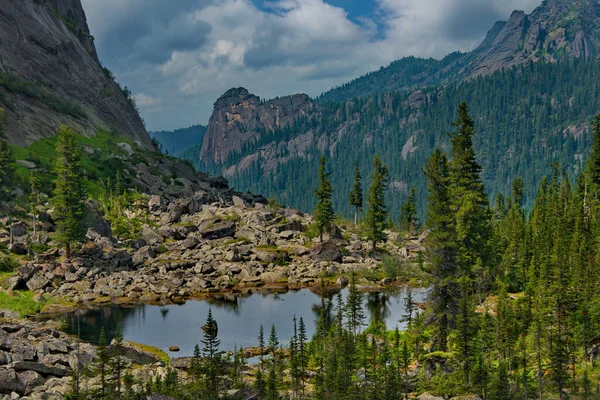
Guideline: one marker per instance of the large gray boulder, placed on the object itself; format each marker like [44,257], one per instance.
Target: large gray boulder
[326,251]
[9,382]
[37,282]
[219,230]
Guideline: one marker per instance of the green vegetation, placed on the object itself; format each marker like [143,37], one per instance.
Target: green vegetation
[324,209]
[526,117]
[14,84]
[69,194]
[21,302]
[356,195]
[377,211]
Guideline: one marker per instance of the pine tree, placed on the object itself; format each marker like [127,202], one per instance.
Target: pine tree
[69,195]
[593,163]
[377,211]
[272,384]
[117,362]
[210,351]
[259,382]
[356,195]
[323,213]
[102,364]
[7,170]
[354,311]
[441,250]
[35,199]
[408,214]
[302,353]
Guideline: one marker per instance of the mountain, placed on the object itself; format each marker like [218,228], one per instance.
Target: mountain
[532,87]
[173,142]
[239,116]
[556,30]
[50,75]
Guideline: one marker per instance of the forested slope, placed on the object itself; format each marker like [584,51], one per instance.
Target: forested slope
[526,118]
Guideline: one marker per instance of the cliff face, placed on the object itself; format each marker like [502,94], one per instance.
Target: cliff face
[556,30]
[239,116]
[50,75]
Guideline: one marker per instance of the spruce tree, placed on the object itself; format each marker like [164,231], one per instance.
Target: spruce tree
[408,214]
[377,211]
[441,249]
[354,311]
[356,195]
[117,362]
[7,171]
[272,384]
[212,361]
[69,195]
[593,163]
[324,213]
[302,353]
[35,200]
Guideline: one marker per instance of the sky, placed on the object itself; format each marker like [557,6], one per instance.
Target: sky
[179,56]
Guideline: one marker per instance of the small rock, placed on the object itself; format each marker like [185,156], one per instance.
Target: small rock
[27,164]
[173,348]
[342,281]
[19,249]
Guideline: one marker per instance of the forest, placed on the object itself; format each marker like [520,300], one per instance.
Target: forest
[527,118]
[513,311]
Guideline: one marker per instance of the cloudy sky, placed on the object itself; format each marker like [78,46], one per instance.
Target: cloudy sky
[179,56]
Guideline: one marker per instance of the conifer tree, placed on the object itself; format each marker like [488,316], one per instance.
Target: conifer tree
[377,211]
[35,200]
[324,213]
[117,362]
[7,170]
[593,163]
[69,195]
[272,386]
[408,214]
[102,364]
[441,250]
[259,382]
[354,311]
[212,366]
[356,195]
[302,353]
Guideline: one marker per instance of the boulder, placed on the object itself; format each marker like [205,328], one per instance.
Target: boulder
[37,282]
[26,163]
[326,251]
[142,255]
[137,354]
[151,236]
[137,244]
[30,379]
[342,281]
[40,368]
[91,249]
[424,235]
[156,204]
[239,202]
[219,230]
[427,396]
[9,382]
[173,215]
[15,283]
[18,229]
[94,220]
[19,249]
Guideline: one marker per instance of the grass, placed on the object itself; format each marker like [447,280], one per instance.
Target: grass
[22,302]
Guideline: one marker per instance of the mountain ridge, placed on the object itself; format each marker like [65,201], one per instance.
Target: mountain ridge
[50,75]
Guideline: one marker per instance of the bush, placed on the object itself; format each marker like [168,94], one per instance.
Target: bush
[7,264]
[392,266]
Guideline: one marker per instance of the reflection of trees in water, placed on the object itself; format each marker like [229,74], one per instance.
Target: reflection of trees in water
[92,320]
[378,305]
[227,301]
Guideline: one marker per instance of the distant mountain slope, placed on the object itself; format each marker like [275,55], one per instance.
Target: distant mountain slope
[556,30]
[173,142]
[50,75]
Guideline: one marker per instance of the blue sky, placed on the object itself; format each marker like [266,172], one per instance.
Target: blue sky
[179,56]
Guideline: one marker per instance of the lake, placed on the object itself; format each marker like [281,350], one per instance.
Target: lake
[239,318]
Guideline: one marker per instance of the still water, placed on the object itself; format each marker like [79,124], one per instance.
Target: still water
[239,318]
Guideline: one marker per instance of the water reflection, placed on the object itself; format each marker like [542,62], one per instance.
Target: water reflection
[239,317]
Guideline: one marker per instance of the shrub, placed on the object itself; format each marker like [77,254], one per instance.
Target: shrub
[392,266]
[7,264]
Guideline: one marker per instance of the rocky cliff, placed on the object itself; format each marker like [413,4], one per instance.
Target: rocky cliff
[556,30]
[50,75]
[239,116]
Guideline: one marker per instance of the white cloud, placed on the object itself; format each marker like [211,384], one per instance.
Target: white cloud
[181,55]
[144,101]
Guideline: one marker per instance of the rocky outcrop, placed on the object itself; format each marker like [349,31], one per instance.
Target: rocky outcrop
[50,75]
[557,29]
[239,116]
